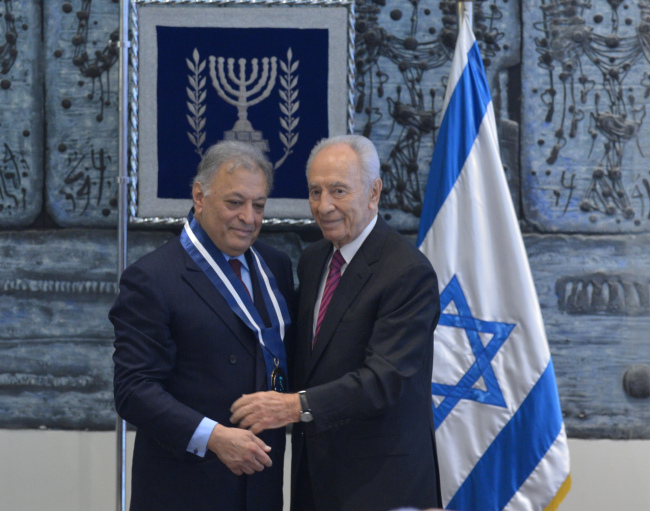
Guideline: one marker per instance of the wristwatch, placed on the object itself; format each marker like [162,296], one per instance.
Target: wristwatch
[305,411]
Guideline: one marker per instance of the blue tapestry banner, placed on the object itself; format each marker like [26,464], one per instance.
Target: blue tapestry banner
[278,76]
[263,85]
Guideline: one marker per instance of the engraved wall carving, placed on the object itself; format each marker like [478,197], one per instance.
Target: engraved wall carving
[569,82]
[21,135]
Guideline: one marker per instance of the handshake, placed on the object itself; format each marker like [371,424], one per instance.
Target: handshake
[239,448]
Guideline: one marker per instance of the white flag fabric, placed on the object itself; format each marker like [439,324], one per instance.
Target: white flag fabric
[499,430]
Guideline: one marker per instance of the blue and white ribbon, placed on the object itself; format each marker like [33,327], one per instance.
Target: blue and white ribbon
[212,262]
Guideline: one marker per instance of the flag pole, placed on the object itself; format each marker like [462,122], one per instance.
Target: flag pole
[465,6]
[123,180]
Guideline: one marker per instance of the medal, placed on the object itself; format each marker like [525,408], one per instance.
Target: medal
[278,378]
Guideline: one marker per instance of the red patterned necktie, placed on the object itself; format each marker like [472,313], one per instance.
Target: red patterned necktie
[333,278]
[235,264]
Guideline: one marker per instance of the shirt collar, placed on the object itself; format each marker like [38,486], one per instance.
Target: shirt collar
[349,250]
[241,258]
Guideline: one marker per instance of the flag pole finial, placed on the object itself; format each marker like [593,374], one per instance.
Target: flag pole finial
[465,6]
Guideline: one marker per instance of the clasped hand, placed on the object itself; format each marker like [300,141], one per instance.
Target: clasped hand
[265,410]
[241,451]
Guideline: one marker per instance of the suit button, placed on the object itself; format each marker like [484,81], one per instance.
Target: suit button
[233,359]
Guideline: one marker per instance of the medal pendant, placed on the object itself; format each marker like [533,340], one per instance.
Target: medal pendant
[278,380]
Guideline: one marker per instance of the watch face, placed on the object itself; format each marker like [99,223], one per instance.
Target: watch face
[306,417]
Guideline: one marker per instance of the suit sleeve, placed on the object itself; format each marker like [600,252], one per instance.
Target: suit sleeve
[144,359]
[398,349]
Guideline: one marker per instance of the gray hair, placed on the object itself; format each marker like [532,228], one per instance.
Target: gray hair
[362,147]
[237,154]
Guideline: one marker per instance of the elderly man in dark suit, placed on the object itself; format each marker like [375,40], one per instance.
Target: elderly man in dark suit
[368,305]
[198,323]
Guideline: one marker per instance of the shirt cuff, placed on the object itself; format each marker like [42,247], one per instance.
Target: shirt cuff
[199,442]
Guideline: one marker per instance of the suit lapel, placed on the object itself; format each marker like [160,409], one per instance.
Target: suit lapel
[309,284]
[198,281]
[357,273]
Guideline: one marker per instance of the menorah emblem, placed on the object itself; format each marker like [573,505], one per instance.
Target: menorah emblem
[240,95]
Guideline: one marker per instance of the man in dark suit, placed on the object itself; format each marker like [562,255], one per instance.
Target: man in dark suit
[368,306]
[198,323]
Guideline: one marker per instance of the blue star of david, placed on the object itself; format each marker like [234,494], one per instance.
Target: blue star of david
[484,354]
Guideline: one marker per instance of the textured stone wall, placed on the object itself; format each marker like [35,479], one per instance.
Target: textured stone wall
[570,83]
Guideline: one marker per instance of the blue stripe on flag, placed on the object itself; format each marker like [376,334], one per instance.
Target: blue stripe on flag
[466,110]
[516,451]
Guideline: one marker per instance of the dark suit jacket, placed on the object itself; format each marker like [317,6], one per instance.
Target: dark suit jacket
[371,445]
[182,354]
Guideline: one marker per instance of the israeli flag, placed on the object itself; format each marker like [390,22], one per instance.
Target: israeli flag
[499,429]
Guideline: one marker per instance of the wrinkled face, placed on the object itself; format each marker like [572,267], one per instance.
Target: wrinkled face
[232,210]
[339,200]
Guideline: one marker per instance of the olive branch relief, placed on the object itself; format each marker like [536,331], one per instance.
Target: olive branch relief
[196,105]
[288,106]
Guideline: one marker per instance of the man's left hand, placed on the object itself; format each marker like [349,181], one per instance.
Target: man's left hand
[265,410]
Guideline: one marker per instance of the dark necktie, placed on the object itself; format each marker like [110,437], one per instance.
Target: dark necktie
[235,264]
[332,281]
